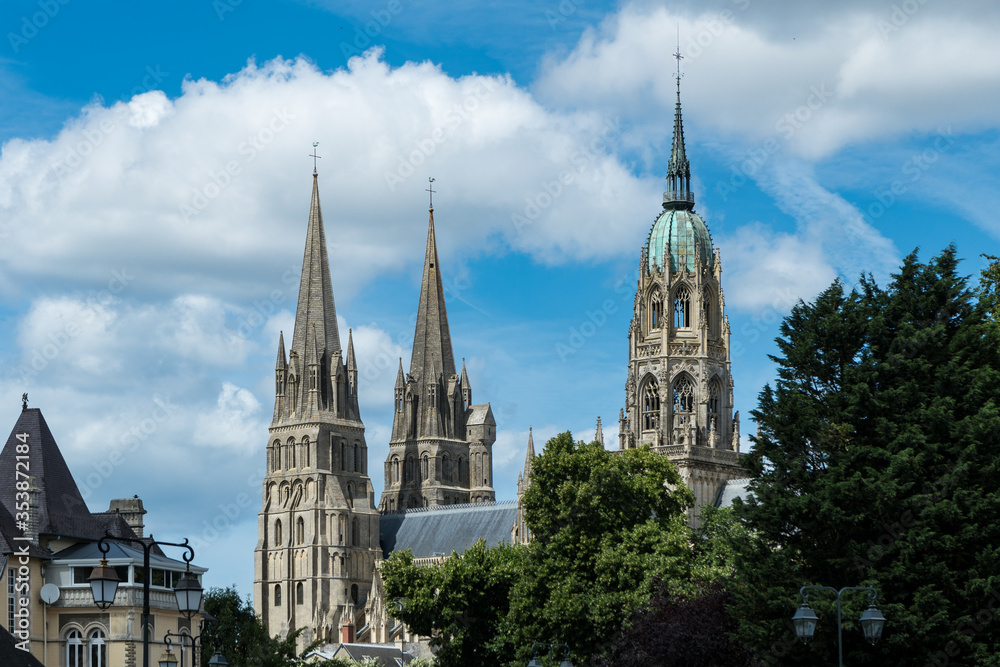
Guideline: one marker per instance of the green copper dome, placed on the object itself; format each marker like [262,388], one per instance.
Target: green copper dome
[679,234]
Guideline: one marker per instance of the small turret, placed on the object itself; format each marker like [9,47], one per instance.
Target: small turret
[466,388]
[352,364]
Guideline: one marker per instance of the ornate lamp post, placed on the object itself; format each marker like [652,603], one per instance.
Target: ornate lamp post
[104,583]
[535,662]
[805,619]
[195,640]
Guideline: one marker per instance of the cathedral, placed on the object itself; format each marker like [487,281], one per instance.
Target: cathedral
[321,533]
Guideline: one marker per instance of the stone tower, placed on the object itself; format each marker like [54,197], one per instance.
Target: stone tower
[520,534]
[318,533]
[441,450]
[679,391]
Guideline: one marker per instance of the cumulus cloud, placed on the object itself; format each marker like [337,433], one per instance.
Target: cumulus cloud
[866,74]
[235,423]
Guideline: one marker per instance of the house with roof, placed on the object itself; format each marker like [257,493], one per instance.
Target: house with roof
[48,549]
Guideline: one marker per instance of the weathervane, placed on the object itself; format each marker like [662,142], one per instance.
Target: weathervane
[24,401]
[431,190]
[314,156]
[678,56]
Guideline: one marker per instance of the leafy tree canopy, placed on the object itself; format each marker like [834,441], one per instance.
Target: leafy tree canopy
[875,463]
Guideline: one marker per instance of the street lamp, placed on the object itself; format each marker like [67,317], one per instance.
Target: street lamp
[218,660]
[805,619]
[535,662]
[168,659]
[104,583]
[194,641]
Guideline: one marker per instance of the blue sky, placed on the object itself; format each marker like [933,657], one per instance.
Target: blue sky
[154,188]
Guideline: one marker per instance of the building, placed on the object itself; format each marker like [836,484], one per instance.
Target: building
[679,389]
[442,445]
[49,546]
[318,528]
[321,536]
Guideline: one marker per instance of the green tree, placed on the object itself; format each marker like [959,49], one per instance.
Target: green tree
[875,464]
[604,526]
[241,636]
[458,603]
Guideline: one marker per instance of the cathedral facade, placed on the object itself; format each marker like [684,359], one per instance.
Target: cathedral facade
[321,534]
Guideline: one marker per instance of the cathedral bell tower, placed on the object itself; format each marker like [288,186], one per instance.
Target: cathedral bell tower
[318,529]
[679,391]
[441,450]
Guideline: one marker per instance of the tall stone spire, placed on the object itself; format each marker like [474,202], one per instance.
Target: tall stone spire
[318,527]
[315,307]
[678,194]
[441,447]
[431,338]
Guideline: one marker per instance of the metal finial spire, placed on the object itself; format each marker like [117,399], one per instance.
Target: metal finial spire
[24,401]
[678,56]
[315,157]
[431,190]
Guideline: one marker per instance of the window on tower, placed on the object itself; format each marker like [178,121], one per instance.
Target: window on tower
[682,308]
[650,406]
[277,595]
[683,397]
[655,309]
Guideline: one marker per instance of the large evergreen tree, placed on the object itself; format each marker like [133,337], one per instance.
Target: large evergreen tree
[876,463]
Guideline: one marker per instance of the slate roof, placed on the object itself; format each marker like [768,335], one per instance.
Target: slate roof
[11,656]
[732,489]
[440,530]
[62,510]
[121,550]
[386,655]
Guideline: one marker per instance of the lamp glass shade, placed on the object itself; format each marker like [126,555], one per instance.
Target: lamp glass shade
[535,662]
[168,659]
[872,622]
[804,621]
[566,663]
[188,593]
[218,660]
[104,584]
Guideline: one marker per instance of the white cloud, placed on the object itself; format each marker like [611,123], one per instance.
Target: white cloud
[236,422]
[850,82]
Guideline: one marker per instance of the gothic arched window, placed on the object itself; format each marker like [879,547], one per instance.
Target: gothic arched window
[655,309]
[355,532]
[395,469]
[350,495]
[74,649]
[304,454]
[277,533]
[300,593]
[343,455]
[300,531]
[706,312]
[650,406]
[445,468]
[277,595]
[424,466]
[683,395]
[409,472]
[714,403]
[682,307]
[357,458]
[340,529]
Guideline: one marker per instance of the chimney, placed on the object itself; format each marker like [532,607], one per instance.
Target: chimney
[131,510]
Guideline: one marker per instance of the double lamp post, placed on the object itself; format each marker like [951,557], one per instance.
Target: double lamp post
[104,582]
